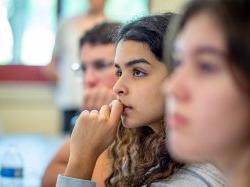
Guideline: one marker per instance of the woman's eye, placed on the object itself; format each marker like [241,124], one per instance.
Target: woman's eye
[207,67]
[138,73]
[118,72]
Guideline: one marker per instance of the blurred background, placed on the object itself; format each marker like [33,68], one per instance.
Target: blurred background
[27,36]
[29,117]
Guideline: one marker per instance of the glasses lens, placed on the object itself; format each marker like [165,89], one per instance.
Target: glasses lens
[101,65]
[98,65]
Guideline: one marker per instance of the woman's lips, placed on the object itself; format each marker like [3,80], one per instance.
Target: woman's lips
[176,120]
[126,109]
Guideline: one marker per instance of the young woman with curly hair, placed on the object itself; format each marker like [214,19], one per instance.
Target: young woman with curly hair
[135,145]
[139,153]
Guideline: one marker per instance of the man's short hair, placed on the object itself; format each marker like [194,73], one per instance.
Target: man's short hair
[103,33]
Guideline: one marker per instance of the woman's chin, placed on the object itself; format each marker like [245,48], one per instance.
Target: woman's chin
[174,148]
[182,152]
[127,123]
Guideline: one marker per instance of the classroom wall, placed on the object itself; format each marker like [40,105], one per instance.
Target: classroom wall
[161,6]
[28,108]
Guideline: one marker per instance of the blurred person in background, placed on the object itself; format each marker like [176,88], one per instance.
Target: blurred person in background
[208,93]
[68,90]
[97,50]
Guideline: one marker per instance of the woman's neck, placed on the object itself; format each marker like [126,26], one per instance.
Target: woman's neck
[230,162]
[157,126]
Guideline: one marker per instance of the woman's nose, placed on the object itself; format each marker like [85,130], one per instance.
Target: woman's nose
[120,87]
[176,85]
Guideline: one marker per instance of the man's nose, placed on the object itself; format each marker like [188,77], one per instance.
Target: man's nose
[90,78]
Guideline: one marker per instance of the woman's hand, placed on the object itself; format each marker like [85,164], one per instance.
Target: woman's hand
[93,133]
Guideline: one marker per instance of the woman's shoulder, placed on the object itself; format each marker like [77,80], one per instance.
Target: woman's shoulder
[195,175]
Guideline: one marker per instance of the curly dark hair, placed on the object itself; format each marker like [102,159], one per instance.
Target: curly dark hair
[140,156]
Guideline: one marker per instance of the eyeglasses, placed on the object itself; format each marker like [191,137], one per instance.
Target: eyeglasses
[98,65]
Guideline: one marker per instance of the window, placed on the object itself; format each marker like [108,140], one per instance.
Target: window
[125,10]
[28,31]
[28,27]
[118,10]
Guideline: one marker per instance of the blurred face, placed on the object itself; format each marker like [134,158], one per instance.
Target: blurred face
[96,5]
[97,64]
[140,76]
[208,114]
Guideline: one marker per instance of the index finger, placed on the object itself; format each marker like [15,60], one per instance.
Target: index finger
[116,111]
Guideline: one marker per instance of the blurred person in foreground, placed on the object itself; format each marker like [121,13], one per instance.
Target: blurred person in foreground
[208,93]
[97,50]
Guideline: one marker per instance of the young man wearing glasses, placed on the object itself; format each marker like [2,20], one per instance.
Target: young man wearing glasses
[97,50]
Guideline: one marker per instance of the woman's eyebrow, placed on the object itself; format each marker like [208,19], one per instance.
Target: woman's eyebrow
[210,50]
[133,62]
[137,61]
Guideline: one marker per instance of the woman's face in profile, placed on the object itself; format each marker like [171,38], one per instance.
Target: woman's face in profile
[208,113]
[140,76]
